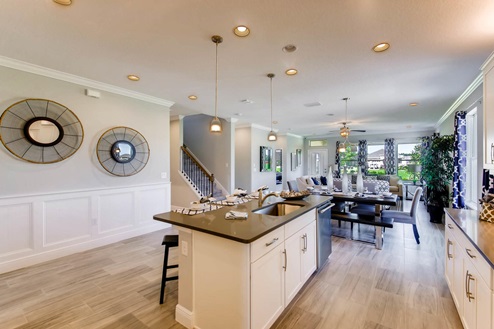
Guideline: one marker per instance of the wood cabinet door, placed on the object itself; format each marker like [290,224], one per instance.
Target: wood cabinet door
[267,288]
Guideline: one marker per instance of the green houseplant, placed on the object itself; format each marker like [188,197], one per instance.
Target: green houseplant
[437,172]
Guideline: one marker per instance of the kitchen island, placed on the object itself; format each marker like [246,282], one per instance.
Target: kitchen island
[243,273]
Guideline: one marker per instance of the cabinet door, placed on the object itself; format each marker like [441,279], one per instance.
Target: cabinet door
[309,257]
[489,116]
[458,282]
[452,258]
[267,288]
[293,280]
[476,302]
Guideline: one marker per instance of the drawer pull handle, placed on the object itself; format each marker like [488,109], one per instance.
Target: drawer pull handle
[272,241]
[447,250]
[469,253]
[286,260]
[468,278]
[450,226]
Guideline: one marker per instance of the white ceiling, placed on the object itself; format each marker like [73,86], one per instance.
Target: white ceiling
[437,48]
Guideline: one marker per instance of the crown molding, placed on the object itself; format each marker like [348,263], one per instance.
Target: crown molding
[54,74]
[461,99]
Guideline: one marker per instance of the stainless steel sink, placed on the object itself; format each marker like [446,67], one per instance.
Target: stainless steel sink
[278,209]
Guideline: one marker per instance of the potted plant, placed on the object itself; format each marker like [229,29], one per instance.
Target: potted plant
[437,172]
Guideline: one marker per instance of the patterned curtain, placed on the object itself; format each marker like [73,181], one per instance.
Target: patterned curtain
[362,156]
[389,156]
[460,160]
[487,183]
[337,160]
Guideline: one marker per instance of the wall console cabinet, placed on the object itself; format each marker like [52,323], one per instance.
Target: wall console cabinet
[488,73]
[468,267]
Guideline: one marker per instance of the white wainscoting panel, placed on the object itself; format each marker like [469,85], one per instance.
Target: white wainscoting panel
[116,211]
[37,228]
[152,202]
[66,221]
[16,229]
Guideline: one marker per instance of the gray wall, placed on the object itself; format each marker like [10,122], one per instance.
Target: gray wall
[82,170]
[215,151]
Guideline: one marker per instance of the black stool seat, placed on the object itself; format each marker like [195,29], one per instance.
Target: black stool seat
[169,241]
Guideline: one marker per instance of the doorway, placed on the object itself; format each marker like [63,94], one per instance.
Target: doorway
[278,166]
[318,162]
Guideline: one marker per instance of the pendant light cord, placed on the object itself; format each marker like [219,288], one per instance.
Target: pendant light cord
[271,78]
[216,88]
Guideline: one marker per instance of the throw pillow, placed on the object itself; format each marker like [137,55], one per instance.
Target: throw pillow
[316,182]
[324,181]
[383,177]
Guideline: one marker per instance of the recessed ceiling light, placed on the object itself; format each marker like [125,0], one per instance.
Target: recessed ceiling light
[289,48]
[238,114]
[414,104]
[312,104]
[133,77]
[291,72]
[247,101]
[241,31]
[380,47]
[275,122]
[330,114]
[192,97]
[63,2]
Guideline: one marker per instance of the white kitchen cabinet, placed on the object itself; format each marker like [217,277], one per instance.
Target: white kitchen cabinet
[267,288]
[454,265]
[488,74]
[469,277]
[279,274]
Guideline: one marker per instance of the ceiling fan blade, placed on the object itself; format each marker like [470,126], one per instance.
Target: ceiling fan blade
[357,130]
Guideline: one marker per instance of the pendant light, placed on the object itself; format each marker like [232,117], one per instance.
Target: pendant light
[215,126]
[272,135]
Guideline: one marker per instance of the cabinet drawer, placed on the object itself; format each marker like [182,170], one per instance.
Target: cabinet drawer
[451,227]
[297,224]
[266,243]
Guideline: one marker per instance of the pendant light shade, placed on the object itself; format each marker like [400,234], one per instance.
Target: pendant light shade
[215,126]
[272,135]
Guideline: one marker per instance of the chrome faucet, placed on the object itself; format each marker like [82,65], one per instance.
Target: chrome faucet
[263,198]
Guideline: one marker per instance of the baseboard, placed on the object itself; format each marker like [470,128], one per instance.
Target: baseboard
[80,247]
[183,316]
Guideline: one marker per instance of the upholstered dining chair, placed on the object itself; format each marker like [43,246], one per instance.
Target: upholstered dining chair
[407,217]
[292,185]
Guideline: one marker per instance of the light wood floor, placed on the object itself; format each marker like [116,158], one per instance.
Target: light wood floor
[117,286]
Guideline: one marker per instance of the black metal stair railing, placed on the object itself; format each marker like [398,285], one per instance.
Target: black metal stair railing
[196,173]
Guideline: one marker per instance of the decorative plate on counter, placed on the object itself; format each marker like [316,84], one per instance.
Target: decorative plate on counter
[298,197]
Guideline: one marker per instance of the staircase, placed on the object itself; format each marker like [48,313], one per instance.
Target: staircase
[198,176]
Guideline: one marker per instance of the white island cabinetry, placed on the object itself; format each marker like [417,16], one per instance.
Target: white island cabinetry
[279,273]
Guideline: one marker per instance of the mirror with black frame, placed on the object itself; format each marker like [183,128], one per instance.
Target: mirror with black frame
[43,131]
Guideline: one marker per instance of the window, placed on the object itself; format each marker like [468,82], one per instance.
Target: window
[471,167]
[375,159]
[407,166]
[318,143]
[349,159]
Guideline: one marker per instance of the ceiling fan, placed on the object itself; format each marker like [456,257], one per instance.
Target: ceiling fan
[345,130]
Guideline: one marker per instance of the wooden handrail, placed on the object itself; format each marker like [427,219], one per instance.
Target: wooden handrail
[210,176]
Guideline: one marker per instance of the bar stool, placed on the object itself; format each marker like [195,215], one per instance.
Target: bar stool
[169,241]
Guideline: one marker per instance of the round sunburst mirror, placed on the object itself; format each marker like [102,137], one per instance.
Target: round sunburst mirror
[122,151]
[40,131]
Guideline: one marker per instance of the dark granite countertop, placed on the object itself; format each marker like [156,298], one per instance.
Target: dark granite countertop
[241,230]
[480,233]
